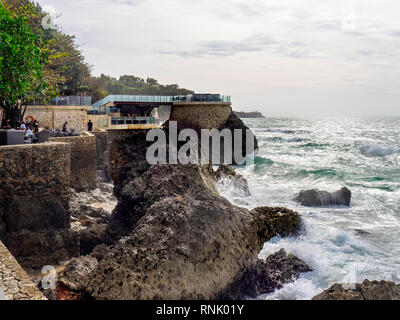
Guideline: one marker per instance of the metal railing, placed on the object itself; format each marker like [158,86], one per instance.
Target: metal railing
[161,99]
[72,101]
[133,120]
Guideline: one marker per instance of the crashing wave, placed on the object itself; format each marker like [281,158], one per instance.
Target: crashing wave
[374,150]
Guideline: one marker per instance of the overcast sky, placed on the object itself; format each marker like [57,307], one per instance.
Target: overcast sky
[281,57]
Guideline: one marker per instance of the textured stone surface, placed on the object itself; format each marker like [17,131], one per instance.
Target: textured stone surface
[266,276]
[101,148]
[75,272]
[37,170]
[173,236]
[54,117]
[34,196]
[83,161]
[14,280]
[200,115]
[368,290]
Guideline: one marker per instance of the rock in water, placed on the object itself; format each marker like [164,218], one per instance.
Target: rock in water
[317,198]
[173,236]
[266,276]
[226,173]
[368,290]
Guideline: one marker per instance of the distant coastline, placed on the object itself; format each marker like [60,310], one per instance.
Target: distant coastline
[247,115]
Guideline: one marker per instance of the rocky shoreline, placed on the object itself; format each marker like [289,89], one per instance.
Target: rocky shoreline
[164,232]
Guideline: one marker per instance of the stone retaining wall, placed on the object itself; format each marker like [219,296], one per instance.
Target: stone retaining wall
[200,115]
[101,148]
[14,281]
[35,170]
[53,117]
[83,161]
[34,202]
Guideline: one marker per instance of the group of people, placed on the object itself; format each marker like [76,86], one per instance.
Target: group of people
[30,128]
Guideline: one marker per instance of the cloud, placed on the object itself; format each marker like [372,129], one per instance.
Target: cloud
[255,43]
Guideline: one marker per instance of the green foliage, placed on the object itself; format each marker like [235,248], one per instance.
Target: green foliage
[131,85]
[64,69]
[21,72]
[67,72]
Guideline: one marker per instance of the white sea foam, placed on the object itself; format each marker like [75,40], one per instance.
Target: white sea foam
[374,150]
[330,244]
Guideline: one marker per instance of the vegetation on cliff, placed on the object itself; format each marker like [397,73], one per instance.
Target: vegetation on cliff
[60,67]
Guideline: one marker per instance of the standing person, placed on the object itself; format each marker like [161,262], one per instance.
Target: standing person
[36,126]
[90,125]
[64,128]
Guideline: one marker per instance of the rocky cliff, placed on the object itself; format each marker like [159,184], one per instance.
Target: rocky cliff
[171,235]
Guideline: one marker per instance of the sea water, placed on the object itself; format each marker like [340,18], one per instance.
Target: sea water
[340,244]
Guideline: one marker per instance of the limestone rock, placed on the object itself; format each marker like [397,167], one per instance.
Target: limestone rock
[368,290]
[75,272]
[172,235]
[317,198]
[100,251]
[266,276]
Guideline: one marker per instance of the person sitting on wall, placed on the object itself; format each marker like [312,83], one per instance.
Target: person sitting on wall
[64,128]
[6,124]
[28,133]
[90,125]
[23,126]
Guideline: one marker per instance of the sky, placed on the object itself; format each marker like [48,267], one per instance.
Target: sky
[280,57]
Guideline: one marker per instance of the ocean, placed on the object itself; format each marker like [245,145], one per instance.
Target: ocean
[362,154]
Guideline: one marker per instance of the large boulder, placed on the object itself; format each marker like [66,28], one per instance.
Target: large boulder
[368,290]
[317,198]
[75,272]
[266,276]
[172,235]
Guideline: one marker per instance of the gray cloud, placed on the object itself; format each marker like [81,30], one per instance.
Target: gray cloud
[255,43]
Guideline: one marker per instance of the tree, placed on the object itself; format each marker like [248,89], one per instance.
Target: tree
[21,63]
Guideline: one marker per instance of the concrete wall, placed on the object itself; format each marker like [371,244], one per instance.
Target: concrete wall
[14,281]
[210,115]
[83,161]
[54,117]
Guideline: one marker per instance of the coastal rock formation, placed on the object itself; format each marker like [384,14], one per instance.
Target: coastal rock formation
[250,115]
[75,272]
[317,198]
[234,123]
[227,174]
[368,290]
[266,276]
[172,235]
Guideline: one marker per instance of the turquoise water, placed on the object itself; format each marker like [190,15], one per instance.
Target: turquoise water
[328,154]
